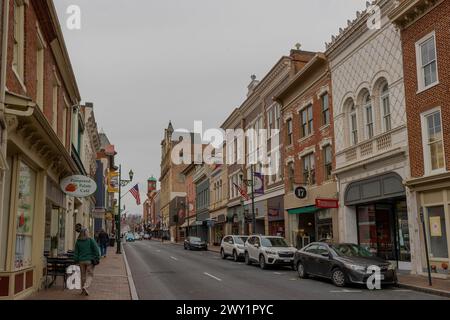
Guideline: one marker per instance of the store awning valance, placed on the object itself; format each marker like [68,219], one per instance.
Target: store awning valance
[302,210]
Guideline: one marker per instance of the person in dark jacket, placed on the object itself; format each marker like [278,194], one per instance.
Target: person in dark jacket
[86,255]
[103,241]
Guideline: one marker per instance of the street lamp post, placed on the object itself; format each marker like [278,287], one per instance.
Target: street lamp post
[122,183]
[252,186]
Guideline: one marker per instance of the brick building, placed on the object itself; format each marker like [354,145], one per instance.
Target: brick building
[425,38]
[308,148]
[39,92]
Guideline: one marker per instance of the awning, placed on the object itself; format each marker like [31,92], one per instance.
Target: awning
[302,210]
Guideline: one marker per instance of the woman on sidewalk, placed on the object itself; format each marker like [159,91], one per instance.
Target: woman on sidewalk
[87,256]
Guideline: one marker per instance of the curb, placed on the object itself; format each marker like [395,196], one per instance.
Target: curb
[437,292]
[134,295]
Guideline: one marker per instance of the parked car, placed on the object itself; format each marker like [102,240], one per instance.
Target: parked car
[129,237]
[233,246]
[147,236]
[269,251]
[195,243]
[137,236]
[343,263]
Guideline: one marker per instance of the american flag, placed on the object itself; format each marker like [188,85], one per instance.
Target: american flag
[135,192]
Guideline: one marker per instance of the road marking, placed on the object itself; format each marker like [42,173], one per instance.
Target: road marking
[158,250]
[210,275]
[294,279]
[279,273]
[345,291]
[174,258]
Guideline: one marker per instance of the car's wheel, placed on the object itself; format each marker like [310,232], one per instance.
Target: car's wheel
[189,247]
[338,277]
[235,256]
[222,254]
[262,262]
[185,247]
[301,271]
[247,259]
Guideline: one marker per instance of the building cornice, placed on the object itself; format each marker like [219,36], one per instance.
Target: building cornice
[408,11]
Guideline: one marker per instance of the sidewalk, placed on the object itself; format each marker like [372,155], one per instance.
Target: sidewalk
[110,283]
[420,283]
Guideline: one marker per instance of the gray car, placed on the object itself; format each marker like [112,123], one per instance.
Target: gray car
[343,263]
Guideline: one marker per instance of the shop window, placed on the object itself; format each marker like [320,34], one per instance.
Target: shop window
[5,219]
[24,217]
[437,232]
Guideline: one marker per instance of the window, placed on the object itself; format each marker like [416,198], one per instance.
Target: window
[328,161]
[309,172]
[433,141]
[19,38]
[437,232]
[24,217]
[353,125]
[55,95]
[385,103]
[291,176]
[368,116]
[289,131]
[427,62]
[277,116]
[325,109]
[270,123]
[307,121]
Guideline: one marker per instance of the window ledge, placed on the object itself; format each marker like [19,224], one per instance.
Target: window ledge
[422,90]
[326,126]
[305,138]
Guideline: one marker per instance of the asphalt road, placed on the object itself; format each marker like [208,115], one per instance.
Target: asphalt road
[164,271]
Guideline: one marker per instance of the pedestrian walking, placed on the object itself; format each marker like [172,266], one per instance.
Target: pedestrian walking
[87,256]
[103,241]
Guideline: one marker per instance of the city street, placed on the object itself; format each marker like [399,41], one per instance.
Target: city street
[167,271]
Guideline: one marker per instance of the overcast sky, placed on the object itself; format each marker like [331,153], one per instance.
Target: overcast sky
[145,62]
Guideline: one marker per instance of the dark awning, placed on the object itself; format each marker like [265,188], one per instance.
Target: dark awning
[310,209]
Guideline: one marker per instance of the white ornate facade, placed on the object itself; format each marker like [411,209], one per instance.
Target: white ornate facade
[369,118]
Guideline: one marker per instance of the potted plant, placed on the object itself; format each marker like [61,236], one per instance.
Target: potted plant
[54,246]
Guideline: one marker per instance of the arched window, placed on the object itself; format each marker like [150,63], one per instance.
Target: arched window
[353,117]
[368,115]
[386,108]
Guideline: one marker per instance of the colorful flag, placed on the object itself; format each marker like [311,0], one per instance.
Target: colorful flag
[135,192]
[113,182]
[258,184]
[242,192]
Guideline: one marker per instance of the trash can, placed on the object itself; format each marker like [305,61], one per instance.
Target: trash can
[112,242]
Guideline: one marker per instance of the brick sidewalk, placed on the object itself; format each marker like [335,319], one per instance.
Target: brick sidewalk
[110,283]
[420,283]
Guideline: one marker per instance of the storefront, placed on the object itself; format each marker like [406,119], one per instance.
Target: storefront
[275,216]
[312,224]
[219,230]
[381,213]
[431,197]
[236,218]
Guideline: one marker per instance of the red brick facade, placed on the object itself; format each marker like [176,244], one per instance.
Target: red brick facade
[35,14]
[437,20]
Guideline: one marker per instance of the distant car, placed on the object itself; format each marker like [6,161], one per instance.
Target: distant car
[147,236]
[233,246]
[269,251]
[137,236]
[129,237]
[343,263]
[195,243]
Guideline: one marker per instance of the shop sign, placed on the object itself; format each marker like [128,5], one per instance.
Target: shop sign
[78,186]
[327,203]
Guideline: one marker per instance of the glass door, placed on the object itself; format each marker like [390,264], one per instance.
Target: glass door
[403,239]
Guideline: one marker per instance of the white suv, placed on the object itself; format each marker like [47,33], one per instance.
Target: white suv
[269,251]
[233,246]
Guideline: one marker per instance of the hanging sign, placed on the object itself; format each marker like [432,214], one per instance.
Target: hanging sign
[113,182]
[78,186]
[301,192]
